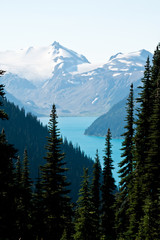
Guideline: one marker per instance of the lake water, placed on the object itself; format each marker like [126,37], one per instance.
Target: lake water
[73,129]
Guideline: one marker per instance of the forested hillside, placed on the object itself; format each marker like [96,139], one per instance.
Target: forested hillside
[25,131]
[113,119]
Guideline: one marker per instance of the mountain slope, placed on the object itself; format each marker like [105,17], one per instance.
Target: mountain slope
[113,119]
[25,131]
[55,74]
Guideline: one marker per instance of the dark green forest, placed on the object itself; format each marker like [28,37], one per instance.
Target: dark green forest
[35,193]
[23,130]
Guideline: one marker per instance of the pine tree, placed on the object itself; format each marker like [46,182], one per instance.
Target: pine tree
[152,170]
[38,210]
[55,187]
[143,119]
[95,197]
[7,189]
[3,115]
[84,221]
[108,193]
[126,170]
[19,197]
[138,193]
[155,70]
[26,225]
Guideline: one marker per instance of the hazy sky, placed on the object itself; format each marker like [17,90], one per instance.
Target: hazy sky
[94,28]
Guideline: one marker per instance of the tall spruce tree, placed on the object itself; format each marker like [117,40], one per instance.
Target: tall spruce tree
[155,69]
[152,177]
[126,170]
[7,189]
[108,193]
[55,186]
[7,180]
[84,223]
[19,197]
[38,210]
[26,225]
[95,196]
[144,111]
[3,115]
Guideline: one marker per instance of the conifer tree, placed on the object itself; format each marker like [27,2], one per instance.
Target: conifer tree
[143,119]
[155,70]
[7,180]
[84,221]
[3,115]
[152,169]
[95,196]
[55,186]
[108,193]
[126,169]
[26,226]
[19,197]
[38,210]
[144,112]
[7,189]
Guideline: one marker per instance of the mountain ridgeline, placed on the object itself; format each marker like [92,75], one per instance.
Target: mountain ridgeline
[76,86]
[25,131]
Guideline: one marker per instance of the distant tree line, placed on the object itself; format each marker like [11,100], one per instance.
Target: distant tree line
[101,212]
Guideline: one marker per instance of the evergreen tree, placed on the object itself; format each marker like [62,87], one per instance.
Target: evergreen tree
[38,210]
[155,69]
[95,196]
[126,169]
[108,193]
[84,223]
[7,181]
[152,170]
[26,225]
[7,189]
[3,115]
[55,187]
[19,197]
[138,193]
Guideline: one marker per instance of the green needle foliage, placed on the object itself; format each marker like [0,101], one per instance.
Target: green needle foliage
[126,170]
[55,187]
[3,115]
[108,193]
[95,196]
[84,227]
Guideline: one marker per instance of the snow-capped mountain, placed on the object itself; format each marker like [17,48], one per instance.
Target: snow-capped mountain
[39,77]
[38,64]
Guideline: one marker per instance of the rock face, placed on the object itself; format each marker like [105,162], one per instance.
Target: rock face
[39,77]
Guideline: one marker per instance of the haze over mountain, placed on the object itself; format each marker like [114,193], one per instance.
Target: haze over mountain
[39,77]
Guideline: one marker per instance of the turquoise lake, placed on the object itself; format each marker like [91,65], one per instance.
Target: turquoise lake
[73,129]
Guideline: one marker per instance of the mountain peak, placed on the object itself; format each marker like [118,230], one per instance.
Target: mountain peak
[114,56]
[56,44]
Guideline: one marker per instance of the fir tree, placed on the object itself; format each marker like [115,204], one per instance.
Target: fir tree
[152,170]
[155,69]
[7,189]
[55,187]
[138,193]
[126,169]
[95,196]
[84,221]
[19,197]
[108,193]
[38,210]
[26,226]
[3,115]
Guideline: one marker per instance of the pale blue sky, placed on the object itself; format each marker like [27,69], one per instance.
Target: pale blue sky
[94,28]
